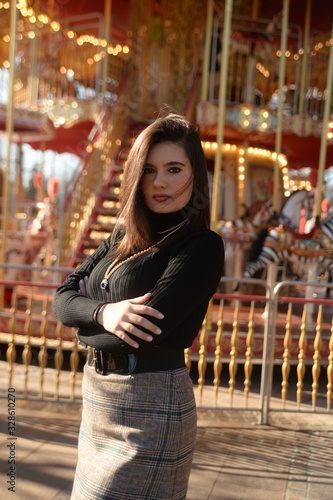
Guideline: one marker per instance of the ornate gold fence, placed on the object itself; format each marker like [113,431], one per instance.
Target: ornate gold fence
[262,350]
[39,356]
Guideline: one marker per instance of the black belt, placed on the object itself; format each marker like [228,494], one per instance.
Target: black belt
[154,360]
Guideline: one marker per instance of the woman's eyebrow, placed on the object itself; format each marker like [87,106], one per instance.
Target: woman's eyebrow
[175,162]
[172,162]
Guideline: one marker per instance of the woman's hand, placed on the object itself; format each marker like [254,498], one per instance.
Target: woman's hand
[126,317]
[83,287]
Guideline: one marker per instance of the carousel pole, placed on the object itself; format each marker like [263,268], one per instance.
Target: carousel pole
[305,56]
[323,143]
[9,133]
[221,111]
[278,137]
[107,26]
[206,59]
[254,13]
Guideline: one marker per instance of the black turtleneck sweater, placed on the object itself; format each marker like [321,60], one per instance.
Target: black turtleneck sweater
[182,276]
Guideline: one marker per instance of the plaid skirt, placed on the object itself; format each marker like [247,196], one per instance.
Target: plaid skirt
[137,436]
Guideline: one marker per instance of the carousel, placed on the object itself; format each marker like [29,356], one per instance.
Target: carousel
[84,78]
[268,152]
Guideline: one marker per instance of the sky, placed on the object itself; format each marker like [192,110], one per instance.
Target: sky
[63,166]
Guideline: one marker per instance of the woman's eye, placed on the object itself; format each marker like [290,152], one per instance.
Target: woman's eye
[174,170]
[148,170]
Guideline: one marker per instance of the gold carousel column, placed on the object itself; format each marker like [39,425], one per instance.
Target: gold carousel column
[233,354]
[218,352]
[243,167]
[107,27]
[330,371]
[33,77]
[301,359]
[316,357]
[278,137]
[11,350]
[58,357]
[42,355]
[9,133]
[323,142]
[286,357]
[248,367]
[74,364]
[221,112]
[305,56]
[206,61]
[187,356]
[27,354]
[202,363]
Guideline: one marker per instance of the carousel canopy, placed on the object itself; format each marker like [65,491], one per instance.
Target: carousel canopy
[302,150]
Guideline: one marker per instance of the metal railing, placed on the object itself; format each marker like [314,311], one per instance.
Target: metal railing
[104,144]
[283,341]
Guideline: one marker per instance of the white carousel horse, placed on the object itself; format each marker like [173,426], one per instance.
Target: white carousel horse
[297,210]
[252,229]
[284,243]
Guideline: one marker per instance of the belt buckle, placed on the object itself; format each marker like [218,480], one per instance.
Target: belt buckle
[122,364]
[132,361]
[99,362]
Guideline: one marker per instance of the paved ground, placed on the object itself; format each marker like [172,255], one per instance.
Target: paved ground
[235,458]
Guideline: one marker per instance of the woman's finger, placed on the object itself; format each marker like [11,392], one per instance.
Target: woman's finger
[137,332]
[147,310]
[140,322]
[83,287]
[125,338]
[140,300]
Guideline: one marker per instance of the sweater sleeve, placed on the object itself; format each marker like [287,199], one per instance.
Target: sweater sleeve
[190,280]
[181,293]
[71,308]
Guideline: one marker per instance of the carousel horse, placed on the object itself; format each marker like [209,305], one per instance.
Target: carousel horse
[297,209]
[242,231]
[250,231]
[283,242]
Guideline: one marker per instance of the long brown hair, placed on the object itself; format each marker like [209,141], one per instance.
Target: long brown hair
[134,214]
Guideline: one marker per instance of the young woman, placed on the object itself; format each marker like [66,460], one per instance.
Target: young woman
[138,302]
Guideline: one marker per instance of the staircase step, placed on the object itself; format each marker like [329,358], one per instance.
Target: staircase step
[110,201]
[101,233]
[111,197]
[113,183]
[106,212]
[112,191]
[107,219]
[103,228]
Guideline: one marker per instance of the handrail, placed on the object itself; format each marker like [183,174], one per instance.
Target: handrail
[30,284]
[87,155]
[37,268]
[107,137]
[103,116]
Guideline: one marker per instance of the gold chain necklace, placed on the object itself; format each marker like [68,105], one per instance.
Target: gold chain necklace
[116,264]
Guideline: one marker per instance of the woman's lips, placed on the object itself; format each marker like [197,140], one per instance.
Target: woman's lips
[161,197]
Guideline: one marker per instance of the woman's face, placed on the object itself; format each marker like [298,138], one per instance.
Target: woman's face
[167,181]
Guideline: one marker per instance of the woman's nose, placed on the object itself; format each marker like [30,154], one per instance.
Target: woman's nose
[160,180]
